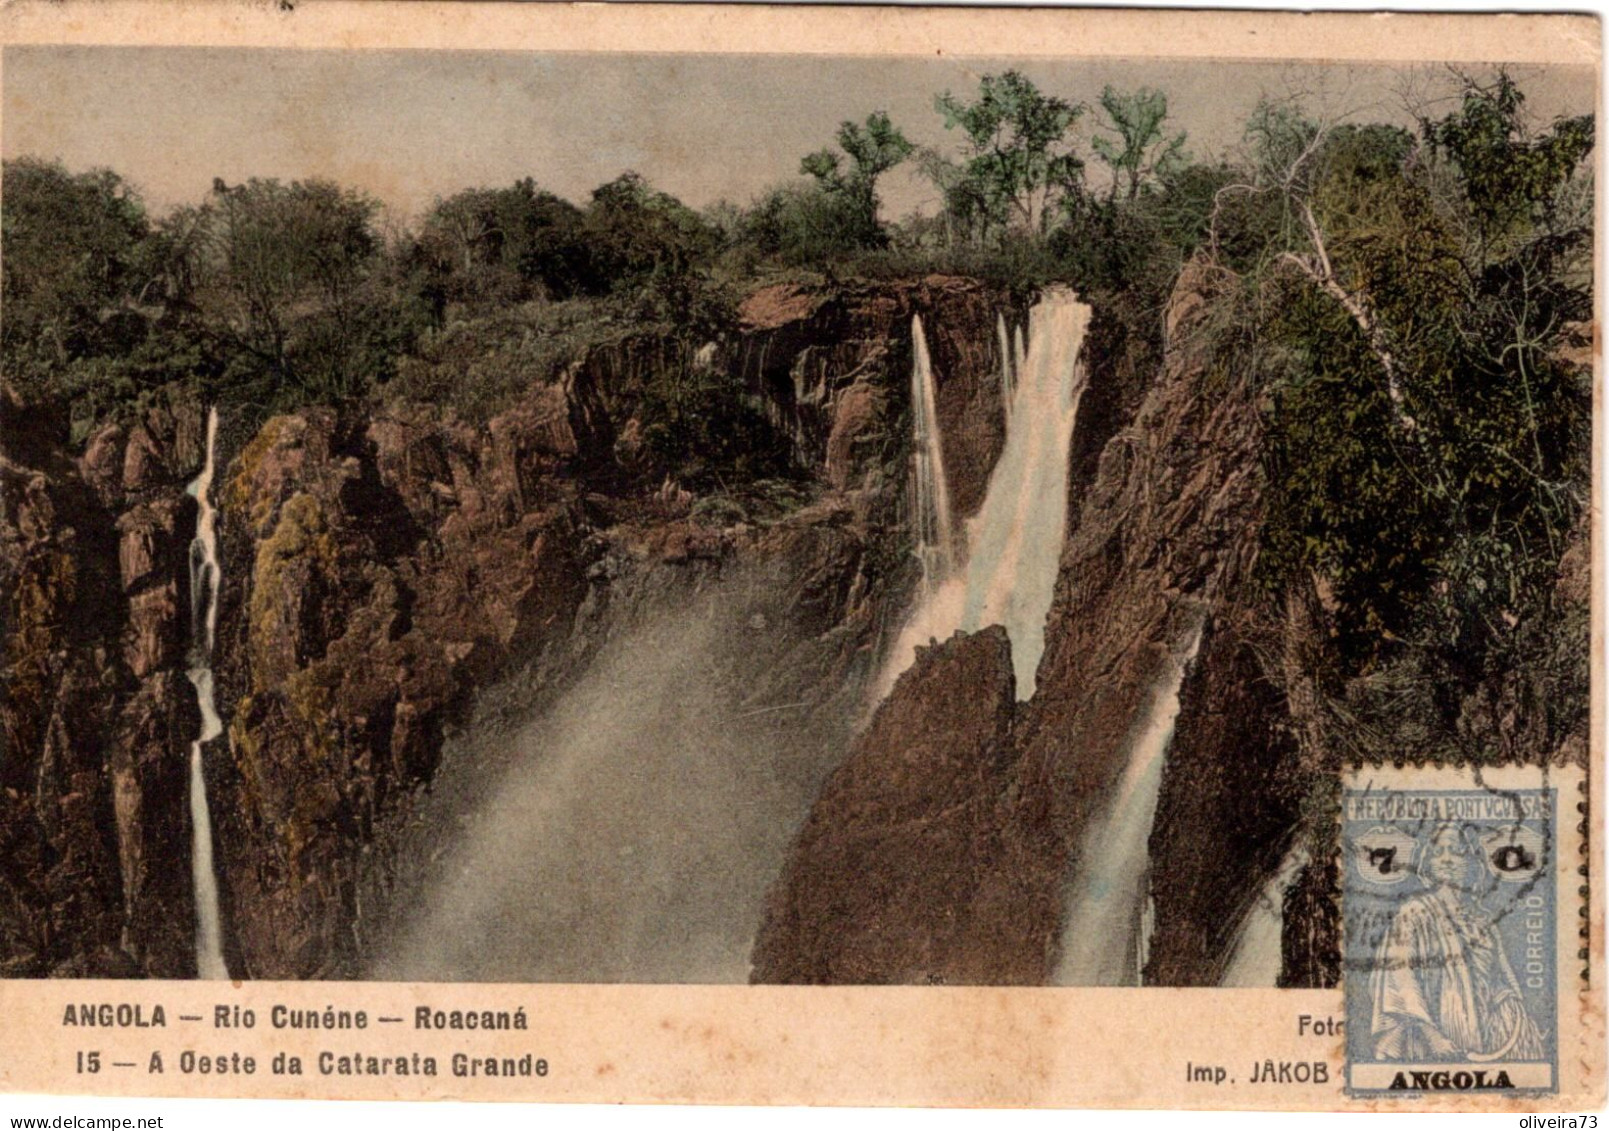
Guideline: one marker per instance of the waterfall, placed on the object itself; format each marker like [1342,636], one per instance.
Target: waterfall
[203,630]
[935,541]
[1104,932]
[1257,953]
[1013,544]
[635,828]
[1007,384]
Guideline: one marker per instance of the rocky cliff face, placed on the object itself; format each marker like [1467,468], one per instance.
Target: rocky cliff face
[389,578]
[876,887]
[376,572]
[941,850]
[397,584]
[834,365]
[1164,539]
[97,713]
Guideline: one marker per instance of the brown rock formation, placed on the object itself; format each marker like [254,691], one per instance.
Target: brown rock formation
[834,363]
[97,716]
[381,574]
[377,572]
[389,577]
[1164,539]
[879,880]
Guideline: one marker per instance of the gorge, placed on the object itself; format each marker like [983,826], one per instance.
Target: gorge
[482,714]
[617,586]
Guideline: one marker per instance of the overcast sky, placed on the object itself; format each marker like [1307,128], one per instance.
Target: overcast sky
[409,126]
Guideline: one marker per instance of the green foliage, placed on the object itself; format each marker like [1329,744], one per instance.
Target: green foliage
[1129,251]
[1183,210]
[1280,135]
[89,296]
[700,428]
[505,245]
[1142,151]
[72,248]
[638,235]
[285,280]
[1402,302]
[761,501]
[1019,162]
[1343,501]
[848,198]
[1437,517]
[1509,179]
[76,267]
[480,365]
[1256,216]
[805,225]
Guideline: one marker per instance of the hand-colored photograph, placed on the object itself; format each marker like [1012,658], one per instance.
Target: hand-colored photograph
[579,516]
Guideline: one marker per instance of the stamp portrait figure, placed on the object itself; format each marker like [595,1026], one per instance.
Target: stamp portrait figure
[1442,985]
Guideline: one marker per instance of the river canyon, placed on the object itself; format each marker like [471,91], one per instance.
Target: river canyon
[991,696]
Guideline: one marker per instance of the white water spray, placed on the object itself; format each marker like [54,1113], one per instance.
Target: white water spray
[204,624]
[1008,369]
[1014,542]
[1257,954]
[636,830]
[1105,934]
[935,540]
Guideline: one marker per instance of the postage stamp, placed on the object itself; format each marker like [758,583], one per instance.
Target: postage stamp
[1451,897]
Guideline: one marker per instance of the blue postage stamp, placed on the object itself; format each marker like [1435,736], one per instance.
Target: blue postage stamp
[1450,934]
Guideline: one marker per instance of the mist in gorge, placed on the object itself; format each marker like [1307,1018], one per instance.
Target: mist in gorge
[636,827]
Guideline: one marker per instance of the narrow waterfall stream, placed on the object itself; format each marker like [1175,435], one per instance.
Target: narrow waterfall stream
[935,540]
[1257,954]
[1013,544]
[1008,367]
[1105,922]
[203,630]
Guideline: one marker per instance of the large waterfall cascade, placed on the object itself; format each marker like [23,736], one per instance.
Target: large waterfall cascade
[1013,544]
[203,631]
[1255,957]
[1104,937]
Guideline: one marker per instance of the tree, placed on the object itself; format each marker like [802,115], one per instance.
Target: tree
[92,294]
[639,235]
[504,243]
[802,224]
[1019,162]
[280,275]
[1427,441]
[1511,180]
[1290,155]
[75,259]
[1142,151]
[1526,255]
[873,149]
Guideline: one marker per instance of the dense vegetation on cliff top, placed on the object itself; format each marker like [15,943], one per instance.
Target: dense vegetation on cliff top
[1403,301]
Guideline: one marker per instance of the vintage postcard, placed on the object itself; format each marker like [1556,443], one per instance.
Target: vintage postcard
[878,556]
